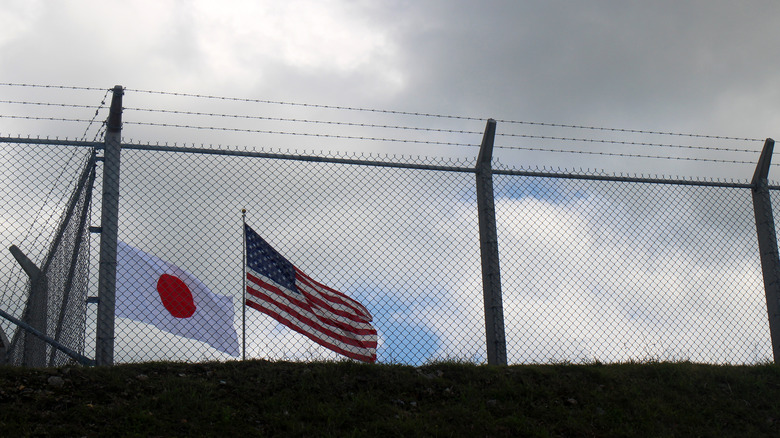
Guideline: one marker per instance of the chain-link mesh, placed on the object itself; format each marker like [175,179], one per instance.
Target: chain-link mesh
[56,299]
[590,269]
[612,271]
[403,242]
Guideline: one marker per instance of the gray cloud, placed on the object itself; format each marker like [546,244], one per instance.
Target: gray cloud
[595,61]
[703,66]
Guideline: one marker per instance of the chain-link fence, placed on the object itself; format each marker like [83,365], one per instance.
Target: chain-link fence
[47,289]
[591,269]
[403,242]
[608,270]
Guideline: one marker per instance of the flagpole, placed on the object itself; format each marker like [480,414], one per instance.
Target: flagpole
[243,294]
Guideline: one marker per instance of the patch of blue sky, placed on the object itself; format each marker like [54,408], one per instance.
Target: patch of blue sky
[550,190]
[405,337]
[555,191]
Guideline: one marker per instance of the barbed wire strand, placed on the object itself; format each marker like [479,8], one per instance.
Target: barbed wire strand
[57,104]
[409,113]
[102,105]
[667,145]
[630,143]
[635,131]
[307,134]
[448,131]
[261,131]
[56,119]
[101,131]
[60,87]
[295,120]
[616,154]
[444,116]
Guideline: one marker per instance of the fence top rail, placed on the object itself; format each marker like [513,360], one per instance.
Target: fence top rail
[52,141]
[634,179]
[457,167]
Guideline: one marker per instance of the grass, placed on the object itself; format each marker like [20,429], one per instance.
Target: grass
[342,399]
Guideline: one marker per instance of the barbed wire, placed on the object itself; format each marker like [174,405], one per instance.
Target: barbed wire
[634,131]
[618,154]
[101,131]
[63,105]
[61,87]
[56,119]
[376,110]
[60,105]
[380,126]
[307,134]
[396,112]
[295,120]
[102,104]
[449,131]
[309,105]
[631,143]
[444,116]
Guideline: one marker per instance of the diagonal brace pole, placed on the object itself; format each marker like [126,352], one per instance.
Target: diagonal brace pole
[36,311]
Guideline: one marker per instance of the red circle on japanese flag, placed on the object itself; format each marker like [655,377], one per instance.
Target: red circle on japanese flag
[175,296]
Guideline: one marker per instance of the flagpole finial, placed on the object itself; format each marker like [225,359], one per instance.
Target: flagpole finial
[243,211]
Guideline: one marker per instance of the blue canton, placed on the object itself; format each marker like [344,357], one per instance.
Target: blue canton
[263,259]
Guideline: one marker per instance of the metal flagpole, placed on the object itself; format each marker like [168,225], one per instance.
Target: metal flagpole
[243,294]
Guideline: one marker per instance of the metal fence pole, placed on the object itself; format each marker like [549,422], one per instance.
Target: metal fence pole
[488,244]
[36,312]
[767,244]
[104,350]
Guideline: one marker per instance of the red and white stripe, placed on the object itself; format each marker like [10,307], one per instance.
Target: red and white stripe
[322,314]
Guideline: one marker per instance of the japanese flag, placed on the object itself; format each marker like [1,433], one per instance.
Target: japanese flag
[153,291]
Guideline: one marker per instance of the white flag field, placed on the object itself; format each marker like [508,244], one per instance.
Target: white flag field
[156,292]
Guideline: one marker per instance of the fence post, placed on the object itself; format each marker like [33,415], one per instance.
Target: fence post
[488,245]
[767,244]
[109,218]
[36,312]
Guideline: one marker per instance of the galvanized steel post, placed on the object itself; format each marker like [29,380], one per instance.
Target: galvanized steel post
[36,313]
[767,244]
[488,243]
[109,219]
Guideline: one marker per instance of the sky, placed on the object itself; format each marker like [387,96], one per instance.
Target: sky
[706,68]
[701,67]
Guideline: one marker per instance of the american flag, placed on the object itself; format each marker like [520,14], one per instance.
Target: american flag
[326,316]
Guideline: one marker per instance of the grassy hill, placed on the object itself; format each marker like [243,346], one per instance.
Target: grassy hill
[260,398]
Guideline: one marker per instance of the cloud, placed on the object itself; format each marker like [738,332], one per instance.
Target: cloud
[171,45]
[655,274]
[303,34]
[17,18]
[702,67]
[589,61]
